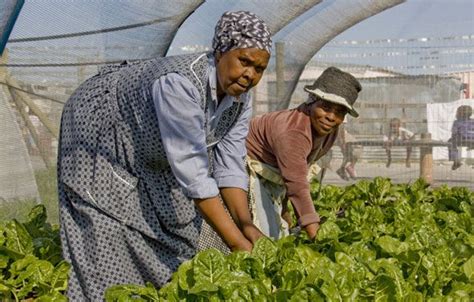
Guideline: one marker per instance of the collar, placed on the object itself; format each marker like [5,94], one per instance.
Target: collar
[213,79]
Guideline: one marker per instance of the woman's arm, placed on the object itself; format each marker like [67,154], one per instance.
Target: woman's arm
[291,151]
[217,217]
[231,174]
[182,121]
[237,204]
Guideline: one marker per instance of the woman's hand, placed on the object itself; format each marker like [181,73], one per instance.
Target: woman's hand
[251,232]
[236,201]
[242,245]
[312,230]
[213,211]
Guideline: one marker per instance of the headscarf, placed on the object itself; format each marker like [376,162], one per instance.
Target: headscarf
[241,29]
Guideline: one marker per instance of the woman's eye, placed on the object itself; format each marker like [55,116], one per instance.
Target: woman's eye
[341,112]
[244,62]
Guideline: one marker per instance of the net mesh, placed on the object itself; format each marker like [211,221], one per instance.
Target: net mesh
[419,75]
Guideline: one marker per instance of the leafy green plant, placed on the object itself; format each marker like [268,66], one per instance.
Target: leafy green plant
[391,242]
[31,265]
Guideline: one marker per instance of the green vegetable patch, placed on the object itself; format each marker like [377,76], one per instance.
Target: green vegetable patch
[378,242]
[30,260]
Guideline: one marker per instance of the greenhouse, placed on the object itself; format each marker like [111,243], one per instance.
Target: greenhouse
[218,150]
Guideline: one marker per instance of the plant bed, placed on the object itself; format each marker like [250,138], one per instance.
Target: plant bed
[378,242]
[31,265]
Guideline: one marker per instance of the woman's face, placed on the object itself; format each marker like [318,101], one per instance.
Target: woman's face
[326,116]
[238,70]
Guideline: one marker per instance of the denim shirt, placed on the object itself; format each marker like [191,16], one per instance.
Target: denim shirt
[182,128]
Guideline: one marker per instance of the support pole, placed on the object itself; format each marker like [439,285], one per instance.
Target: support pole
[25,98]
[280,73]
[31,128]
[426,159]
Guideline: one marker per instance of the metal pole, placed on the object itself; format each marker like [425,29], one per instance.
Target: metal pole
[280,74]
[426,159]
[31,128]
[25,98]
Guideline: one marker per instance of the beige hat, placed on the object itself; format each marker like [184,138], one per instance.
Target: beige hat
[336,86]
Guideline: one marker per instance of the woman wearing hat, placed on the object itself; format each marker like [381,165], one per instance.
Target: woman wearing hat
[282,145]
[145,151]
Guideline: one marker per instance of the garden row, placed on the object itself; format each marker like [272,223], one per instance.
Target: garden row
[379,241]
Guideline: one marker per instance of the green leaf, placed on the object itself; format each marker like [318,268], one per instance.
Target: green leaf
[32,269]
[130,292]
[170,293]
[52,297]
[392,245]
[18,241]
[59,278]
[344,260]
[184,275]
[4,259]
[2,236]
[413,297]
[307,294]
[384,289]
[4,289]
[306,255]
[37,217]
[292,280]
[328,231]
[468,268]
[253,267]
[254,290]
[235,258]
[209,270]
[391,268]
[265,250]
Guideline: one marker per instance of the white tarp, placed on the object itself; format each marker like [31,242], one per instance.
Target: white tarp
[440,118]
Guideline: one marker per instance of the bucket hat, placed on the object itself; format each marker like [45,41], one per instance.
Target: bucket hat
[336,86]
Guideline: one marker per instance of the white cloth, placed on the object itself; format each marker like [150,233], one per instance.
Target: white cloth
[440,117]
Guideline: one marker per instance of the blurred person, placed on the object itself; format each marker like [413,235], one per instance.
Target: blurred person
[396,133]
[282,147]
[462,134]
[146,151]
[350,153]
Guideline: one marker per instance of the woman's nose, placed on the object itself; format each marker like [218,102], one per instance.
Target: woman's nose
[331,115]
[249,73]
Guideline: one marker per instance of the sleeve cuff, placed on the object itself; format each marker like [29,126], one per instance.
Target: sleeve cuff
[233,181]
[308,219]
[202,189]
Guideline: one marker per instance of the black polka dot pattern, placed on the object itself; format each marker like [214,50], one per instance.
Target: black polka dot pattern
[124,217]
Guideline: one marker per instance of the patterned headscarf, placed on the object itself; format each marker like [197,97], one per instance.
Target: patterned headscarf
[241,29]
